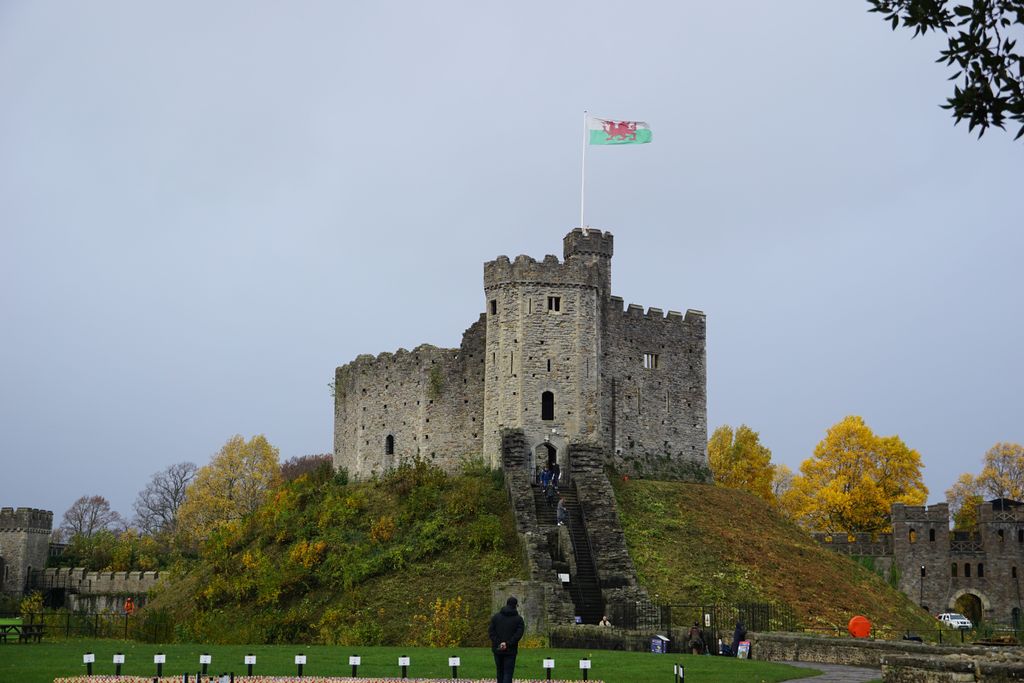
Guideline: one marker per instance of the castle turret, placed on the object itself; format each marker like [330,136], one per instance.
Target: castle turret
[594,248]
[24,546]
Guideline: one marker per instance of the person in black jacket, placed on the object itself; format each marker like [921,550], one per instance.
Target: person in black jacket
[505,631]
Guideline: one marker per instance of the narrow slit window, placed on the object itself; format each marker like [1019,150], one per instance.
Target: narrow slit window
[912,536]
[952,569]
[547,406]
[389,445]
[967,569]
[931,535]
[981,570]
[494,306]
[511,362]
[549,365]
[651,361]
[554,304]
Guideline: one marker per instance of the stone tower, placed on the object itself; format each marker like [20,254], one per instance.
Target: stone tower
[544,347]
[24,546]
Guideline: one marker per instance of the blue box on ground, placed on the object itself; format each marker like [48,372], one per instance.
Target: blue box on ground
[659,645]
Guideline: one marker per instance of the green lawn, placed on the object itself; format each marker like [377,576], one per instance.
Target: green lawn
[10,621]
[41,663]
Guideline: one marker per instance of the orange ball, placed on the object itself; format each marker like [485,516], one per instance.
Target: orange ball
[859,627]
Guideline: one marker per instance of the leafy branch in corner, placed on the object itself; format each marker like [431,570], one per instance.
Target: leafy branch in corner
[990,88]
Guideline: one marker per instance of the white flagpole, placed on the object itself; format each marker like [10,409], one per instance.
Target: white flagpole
[583,179]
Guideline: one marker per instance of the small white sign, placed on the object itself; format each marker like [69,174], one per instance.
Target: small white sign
[564,578]
[707,621]
[250,659]
[88,658]
[584,663]
[355,661]
[205,659]
[159,659]
[300,659]
[454,661]
[118,659]
[403,661]
[549,664]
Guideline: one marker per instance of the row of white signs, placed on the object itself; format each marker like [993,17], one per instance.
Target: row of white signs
[355,660]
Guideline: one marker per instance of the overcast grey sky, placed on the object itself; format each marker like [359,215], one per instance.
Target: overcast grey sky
[206,207]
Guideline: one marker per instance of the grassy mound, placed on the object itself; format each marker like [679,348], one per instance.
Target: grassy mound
[700,544]
[406,559]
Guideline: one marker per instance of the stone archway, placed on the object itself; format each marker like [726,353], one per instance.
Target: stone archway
[971,603]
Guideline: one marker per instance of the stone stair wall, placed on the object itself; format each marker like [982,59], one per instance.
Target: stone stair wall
[592,549]
[543,600]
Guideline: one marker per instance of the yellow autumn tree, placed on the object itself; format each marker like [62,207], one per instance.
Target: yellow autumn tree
[738,460]
[964,497]
[232,486]
[1003,473]
[853,479]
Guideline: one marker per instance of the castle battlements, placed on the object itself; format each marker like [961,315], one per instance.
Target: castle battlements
[527,270]
[592,243]
[553,354]
[935,514]
[26,519]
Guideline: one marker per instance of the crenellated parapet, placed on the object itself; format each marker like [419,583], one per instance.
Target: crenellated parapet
[590,242]
[26,519]
[550,271]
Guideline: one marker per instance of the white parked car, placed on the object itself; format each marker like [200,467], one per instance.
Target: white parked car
[955,620]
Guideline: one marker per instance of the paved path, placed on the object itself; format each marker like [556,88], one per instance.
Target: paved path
[834,673]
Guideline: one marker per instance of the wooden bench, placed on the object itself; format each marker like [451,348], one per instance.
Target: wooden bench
[30,632]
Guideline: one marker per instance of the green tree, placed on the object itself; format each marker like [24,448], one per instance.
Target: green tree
[231,487]
[854,478]
[990,67]
[738,460]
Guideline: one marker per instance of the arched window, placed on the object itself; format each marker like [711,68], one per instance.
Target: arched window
[981,570]
[912,536]
[389,445]
[952,569]
[931,535]
[547,406]
[1000,532]
[967,569]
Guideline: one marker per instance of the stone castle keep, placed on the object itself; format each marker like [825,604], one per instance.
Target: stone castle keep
[555,355]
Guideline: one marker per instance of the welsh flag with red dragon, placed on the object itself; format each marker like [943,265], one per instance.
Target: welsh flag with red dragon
[606,132]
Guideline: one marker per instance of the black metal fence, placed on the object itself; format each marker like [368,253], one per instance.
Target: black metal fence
[150,627]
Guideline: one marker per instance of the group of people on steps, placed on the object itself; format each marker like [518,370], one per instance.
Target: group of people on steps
[549,484]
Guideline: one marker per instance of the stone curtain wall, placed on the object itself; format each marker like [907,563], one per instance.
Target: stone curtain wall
[655,419]
[428,400]
[24,545]
[532,348]
[900,661]
[615,569]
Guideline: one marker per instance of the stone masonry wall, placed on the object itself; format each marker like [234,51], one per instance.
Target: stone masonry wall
[615,569]
[655,418]
[542,336]
[24,545]
[427,400]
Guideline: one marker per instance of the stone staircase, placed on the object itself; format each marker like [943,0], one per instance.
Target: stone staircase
[584,585]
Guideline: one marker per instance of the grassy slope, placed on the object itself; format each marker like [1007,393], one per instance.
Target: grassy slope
[42,663]
[333,563]
[695,544]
